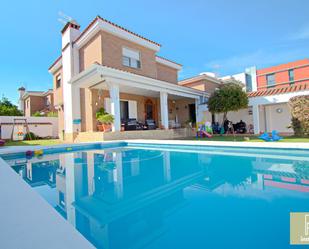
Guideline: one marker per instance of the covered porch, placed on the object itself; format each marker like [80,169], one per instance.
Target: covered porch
[127,96]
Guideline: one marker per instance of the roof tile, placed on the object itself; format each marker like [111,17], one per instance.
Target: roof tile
[282,90]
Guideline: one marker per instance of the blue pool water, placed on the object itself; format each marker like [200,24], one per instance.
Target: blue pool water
[160,196]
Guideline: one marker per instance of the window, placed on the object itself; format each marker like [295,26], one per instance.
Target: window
[248,82]
[270,80]
[58,81]
[131,58]
[291,76]
[47,103]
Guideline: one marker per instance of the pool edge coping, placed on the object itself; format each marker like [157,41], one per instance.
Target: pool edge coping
[271,145]
[41,225]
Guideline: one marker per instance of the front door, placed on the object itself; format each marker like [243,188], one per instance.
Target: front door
[192,113]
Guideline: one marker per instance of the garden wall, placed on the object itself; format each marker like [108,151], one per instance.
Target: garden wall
[40,126]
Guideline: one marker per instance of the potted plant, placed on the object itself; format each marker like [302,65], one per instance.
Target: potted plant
[106,120]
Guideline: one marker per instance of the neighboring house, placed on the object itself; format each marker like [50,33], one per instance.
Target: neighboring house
[108,66]
[205,82]
[294,73]
[209,83]
[31,102]
[269,91]
[275,86]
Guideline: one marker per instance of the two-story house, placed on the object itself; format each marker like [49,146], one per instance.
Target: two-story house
[106,65]
[31,102]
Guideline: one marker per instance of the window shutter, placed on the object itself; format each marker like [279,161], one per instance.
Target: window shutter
[132,109]
[130,53]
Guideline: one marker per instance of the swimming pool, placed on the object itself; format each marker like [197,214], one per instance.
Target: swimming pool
[133,195]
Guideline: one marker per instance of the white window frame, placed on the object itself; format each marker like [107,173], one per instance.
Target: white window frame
[131,58]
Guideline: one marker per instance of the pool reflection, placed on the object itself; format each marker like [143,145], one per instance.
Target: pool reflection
[120,198]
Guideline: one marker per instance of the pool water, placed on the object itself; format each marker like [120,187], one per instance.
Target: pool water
[159,196]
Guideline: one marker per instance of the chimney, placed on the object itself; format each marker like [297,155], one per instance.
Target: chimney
[70,67]
[69,33]
[21,91]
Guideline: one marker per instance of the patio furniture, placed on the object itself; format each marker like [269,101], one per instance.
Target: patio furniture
[150,124]
[240,127]
[132,125]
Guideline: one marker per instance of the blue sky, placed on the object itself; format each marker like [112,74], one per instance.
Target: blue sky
[220,36]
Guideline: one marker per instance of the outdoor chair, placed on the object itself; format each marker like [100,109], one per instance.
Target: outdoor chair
[150,124]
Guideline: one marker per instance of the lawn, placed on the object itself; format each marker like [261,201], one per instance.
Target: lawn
[289,139]
[34,142]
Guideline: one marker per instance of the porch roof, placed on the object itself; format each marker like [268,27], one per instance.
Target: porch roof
[98,76]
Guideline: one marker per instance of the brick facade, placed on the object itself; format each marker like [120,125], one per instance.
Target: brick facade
[299,68]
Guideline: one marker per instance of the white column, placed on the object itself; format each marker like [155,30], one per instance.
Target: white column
[256,119]
[167,166]
[164,109]
[90,172]
[197,115]
[118,174]
[68,160]
[115,105]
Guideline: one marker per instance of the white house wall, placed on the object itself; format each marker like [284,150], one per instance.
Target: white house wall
[278,121]
[270,118]
[235,117]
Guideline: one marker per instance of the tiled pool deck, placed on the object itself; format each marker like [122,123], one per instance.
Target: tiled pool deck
[28,221]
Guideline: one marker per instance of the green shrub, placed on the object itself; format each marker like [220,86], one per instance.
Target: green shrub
[300,115]
[52,114]
[106,118]
[100,112]
[30,136]
[37,114]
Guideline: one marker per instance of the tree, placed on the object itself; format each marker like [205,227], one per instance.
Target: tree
[8,109]
[230,97]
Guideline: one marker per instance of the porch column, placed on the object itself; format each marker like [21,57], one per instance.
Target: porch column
[256,119]
[197,117]
[164,110]
[115,105]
